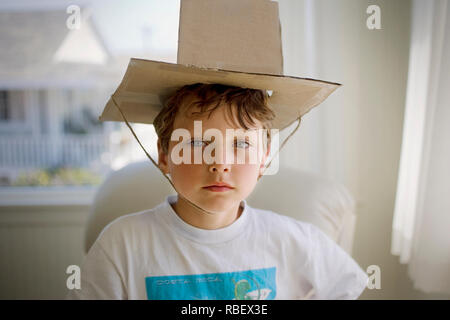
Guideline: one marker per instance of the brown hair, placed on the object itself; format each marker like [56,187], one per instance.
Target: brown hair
[248,103]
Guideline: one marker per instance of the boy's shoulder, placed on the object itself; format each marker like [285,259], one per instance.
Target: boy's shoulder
[289,228]
[131,223]
[283,223]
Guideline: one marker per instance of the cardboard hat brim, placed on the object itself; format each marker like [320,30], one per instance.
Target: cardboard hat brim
[147,84]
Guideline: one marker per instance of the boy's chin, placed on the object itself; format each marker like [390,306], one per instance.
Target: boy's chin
[216,204]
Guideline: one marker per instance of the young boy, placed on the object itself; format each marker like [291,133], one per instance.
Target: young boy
[221,248]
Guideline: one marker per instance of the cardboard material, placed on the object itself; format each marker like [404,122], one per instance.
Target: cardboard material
[147,84]
[232,42]
[238,36]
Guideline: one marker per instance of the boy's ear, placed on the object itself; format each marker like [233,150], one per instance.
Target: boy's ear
[162,158]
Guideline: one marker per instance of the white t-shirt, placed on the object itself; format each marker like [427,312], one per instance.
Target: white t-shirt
[154,254]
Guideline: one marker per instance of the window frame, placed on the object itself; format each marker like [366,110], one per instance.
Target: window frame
[47,196]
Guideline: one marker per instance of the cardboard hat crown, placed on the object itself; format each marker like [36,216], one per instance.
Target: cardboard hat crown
[230,42]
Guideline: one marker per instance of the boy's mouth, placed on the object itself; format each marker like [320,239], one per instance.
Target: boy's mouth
[219,187]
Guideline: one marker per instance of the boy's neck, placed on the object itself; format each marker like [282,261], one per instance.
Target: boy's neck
[202,220]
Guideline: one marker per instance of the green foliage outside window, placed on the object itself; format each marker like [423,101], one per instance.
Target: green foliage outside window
[58,177]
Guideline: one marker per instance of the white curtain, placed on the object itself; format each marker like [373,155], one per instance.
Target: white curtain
[421,225]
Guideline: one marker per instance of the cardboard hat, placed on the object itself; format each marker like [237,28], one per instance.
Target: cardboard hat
[230,42]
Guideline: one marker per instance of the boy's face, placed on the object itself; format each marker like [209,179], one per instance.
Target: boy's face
[190,179]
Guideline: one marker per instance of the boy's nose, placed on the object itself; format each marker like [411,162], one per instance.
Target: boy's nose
[224,157]
[217,167]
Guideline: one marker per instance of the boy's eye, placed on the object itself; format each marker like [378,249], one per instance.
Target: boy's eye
[239,144]
[242,144]
[197,143]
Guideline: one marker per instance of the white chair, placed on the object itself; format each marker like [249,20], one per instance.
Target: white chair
[303,196]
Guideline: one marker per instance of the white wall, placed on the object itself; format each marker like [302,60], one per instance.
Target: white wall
[37,243]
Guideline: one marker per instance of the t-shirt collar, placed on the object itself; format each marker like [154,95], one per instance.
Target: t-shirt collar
[204,235]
